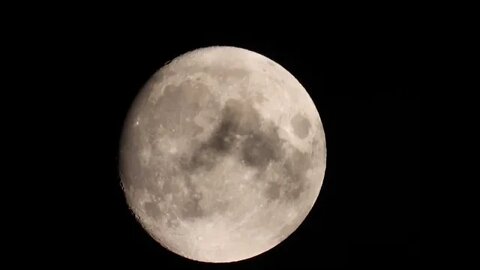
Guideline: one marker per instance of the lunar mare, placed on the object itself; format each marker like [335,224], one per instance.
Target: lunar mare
[222,155]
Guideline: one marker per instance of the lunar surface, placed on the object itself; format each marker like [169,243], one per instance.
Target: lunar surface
[222,155]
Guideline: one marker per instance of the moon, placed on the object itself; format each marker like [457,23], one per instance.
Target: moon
[222,155]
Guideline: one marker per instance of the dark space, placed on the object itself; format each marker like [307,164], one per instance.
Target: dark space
[365,81]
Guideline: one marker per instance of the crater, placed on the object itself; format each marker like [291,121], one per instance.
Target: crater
[301,126]
[152,210]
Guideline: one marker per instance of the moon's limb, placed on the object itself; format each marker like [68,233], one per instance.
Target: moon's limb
[223,155]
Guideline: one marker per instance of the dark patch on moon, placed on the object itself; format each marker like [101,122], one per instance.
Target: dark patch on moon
[240,128]
[273,191]
[243,117]
[152,210]
[242,132]
[296,168]
[223,137]
[221,142]
[201,158]
[301,126]
[259,149]
[292,179]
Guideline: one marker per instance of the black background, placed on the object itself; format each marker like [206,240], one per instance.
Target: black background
[364,77]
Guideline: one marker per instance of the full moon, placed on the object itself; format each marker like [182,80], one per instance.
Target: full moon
[222,155]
